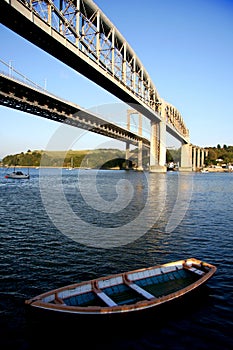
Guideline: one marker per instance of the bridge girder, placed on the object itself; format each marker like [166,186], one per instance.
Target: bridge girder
[20,96]
[79,34]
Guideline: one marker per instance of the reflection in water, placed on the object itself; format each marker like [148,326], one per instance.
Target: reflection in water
[83,211]
[134,211]
[35,256]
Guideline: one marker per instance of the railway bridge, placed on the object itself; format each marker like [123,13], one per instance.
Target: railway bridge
[79,34]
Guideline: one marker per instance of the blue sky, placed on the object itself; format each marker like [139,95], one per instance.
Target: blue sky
[185,46]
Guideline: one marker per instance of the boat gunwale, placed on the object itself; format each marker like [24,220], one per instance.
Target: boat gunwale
[143,304]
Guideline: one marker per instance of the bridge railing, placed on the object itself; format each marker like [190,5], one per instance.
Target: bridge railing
[99,47]
[13,73]
[84,25]
[174,118]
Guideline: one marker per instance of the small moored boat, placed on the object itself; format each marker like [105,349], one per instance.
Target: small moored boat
[127,292]
[17,175]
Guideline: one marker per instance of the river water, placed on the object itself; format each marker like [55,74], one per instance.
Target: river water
[60,227]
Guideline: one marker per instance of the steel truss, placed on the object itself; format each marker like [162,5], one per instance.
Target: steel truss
[85,26]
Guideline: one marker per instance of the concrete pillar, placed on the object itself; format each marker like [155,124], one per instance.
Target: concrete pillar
[129,113]
[158,147]
[140,167]
[127,150]
[127,153]
[139,124]
[202,157]
[158,143]
[128,119]
[186,158]
[194,158]
[154,157]
[162,144]
[198,159]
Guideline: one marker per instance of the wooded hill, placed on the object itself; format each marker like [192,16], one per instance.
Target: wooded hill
[105,158]
[100,158]
[219,154]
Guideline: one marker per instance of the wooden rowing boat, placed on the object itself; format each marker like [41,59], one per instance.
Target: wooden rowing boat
[127,292]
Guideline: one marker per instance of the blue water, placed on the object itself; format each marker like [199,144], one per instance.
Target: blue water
[108,222]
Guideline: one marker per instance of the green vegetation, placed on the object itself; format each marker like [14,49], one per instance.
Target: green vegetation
[219,154]
[105,158]
[215,155]
[173,155]
[101,158]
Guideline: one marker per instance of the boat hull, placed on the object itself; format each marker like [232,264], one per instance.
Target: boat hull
[17,175]
[126,293]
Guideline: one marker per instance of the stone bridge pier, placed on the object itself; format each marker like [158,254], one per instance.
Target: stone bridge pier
[186,158]
[158,147]
[198,157]
[192,157]
[131,112]
[158,143]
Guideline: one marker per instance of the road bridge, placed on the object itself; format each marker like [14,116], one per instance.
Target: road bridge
[80,35]
[21,96]
[33,99]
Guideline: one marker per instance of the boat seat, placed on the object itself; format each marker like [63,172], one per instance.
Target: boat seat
[103,296]
[106,299]
[198,272]
[141,291]
[194,270]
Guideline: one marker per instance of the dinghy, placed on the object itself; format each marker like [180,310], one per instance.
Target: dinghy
[127,292]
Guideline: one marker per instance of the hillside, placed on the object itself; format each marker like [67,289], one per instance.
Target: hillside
[104,158]
[101,158]
[219,155]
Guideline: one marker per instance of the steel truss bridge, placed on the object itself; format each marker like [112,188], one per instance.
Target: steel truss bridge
[35,100]
[80,35]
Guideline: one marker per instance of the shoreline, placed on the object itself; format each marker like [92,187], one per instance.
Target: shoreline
[206,169]
[215,170]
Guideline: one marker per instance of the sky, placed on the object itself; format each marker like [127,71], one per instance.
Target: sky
[185,46]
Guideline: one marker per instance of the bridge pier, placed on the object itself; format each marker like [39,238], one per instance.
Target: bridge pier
[140,167]
[127,152]
[158,147]
[186,158]
[198,157]
[194,158]
[203,155]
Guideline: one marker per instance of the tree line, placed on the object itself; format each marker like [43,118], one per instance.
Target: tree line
[101,158]
[220,153]
[106,158]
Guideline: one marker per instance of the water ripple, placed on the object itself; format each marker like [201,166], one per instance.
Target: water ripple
[35,257]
